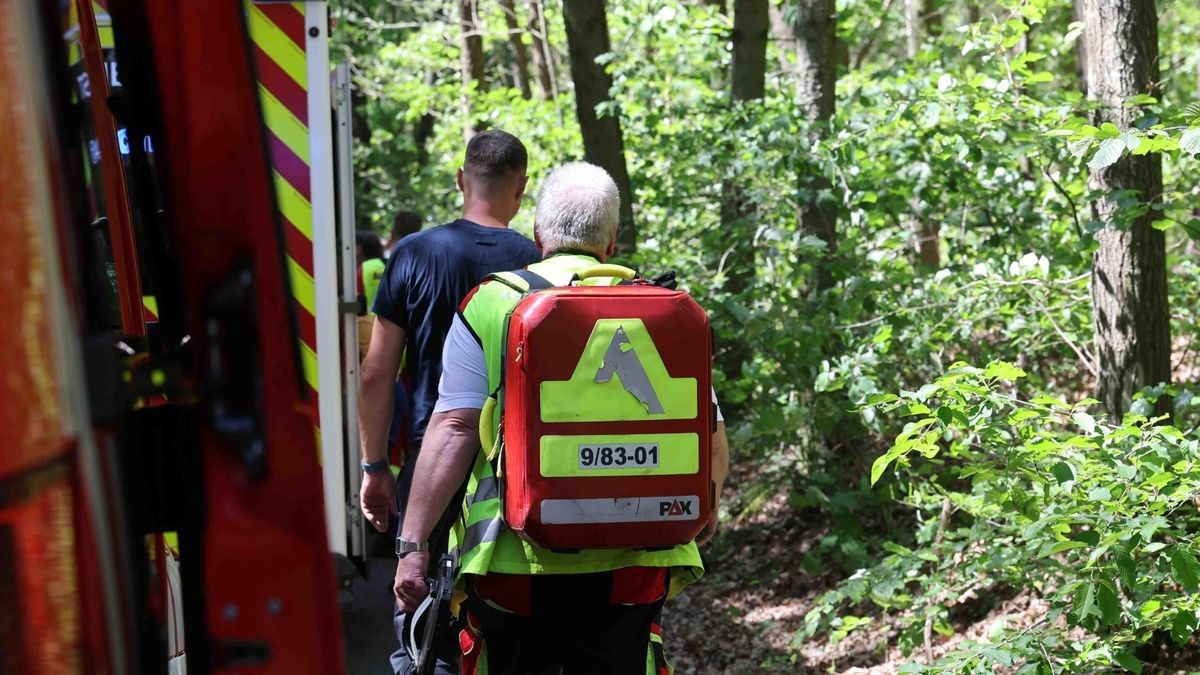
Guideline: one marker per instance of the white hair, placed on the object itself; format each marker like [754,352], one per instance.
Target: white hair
[577,208]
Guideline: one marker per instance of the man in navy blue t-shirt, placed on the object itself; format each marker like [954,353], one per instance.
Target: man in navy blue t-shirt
[427,276]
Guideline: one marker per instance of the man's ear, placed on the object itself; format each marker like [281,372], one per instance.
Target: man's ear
[521,184]
[458,178]
[612,247]
[537,240]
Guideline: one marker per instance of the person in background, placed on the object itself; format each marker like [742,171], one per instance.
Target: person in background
[370,272]
[530,609]
[426,276]
[403,224]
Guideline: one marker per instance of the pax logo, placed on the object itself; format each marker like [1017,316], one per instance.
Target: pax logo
[675,508]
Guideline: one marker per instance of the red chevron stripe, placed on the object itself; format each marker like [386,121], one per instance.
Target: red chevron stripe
[283,87]
[307,325]
[292,168]
[314,412]
[298,246]
[290,21]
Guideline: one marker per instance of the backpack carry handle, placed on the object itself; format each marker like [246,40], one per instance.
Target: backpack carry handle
[606,271]
[487,438]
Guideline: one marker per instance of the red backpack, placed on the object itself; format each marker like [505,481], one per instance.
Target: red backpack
[607,414]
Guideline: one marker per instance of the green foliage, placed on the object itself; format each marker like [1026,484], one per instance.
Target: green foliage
[1039,498]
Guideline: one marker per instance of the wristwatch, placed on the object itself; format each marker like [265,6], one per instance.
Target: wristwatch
[376,467]
[404,547]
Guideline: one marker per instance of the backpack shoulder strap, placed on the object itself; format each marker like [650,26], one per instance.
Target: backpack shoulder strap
[522,281]
[535,281]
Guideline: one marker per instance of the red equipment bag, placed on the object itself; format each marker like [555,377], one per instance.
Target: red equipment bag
[607,416]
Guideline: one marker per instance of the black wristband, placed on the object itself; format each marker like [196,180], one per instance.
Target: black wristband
[376,467]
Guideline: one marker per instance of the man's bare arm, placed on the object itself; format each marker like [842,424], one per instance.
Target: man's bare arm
[376,397]
[452,442]
[451,446]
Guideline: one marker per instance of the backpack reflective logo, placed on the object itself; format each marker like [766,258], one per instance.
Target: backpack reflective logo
[620,376]
[621,359]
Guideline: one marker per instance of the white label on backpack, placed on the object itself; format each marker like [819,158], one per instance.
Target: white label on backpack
[620,510]
[618,455]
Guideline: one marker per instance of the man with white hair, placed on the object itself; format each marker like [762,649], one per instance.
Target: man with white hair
[530,609]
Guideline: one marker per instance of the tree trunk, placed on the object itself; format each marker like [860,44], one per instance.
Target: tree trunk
[587,40]
[816,27]
[748,82]
[1081,65]
[918,21]
[470,58]
[1129,274]
[517,43]
[750,24]
[912,26]
[543,63]
[784,35]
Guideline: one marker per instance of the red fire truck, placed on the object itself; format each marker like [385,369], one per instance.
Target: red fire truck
[177,283]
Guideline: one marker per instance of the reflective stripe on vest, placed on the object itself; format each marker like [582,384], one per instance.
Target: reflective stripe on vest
[488,544]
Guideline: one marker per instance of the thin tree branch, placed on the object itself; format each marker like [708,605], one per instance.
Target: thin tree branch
[1070,202]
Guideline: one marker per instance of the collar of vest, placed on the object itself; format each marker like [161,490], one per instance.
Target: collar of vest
[574,252]
[560,267]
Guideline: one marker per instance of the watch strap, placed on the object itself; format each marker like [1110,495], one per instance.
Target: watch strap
[376,467]
[404,546]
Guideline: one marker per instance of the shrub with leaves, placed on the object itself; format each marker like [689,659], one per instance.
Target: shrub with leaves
[1033,496]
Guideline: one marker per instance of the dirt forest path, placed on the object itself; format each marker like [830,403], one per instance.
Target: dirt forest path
[745,615]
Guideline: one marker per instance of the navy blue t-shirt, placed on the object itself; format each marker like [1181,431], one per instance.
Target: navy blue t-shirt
[427,276]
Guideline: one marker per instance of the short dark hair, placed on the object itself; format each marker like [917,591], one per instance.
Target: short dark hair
[495,154]
[403,224]
[369,242]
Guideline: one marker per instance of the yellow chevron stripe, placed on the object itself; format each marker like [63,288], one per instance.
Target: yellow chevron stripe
[150,303]
[299,7]
[303,288]
[277,45]
[293,205]
[284,124]
[308,363]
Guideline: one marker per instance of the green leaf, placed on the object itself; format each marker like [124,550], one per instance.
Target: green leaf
[1125,568]
[1110,151]
[1189,142]
[1084,421]
[1079,147]
[879,466]
[1063,472]
[1129,662]
[948,415]
[1109,130]
[1022,415]
[1064,546]
[1183,626]
[1160,479]
[1085,601]
[1109,603]
[1099,494]
[1149,607]
[1162,224]
[1184,568]
[1003,371]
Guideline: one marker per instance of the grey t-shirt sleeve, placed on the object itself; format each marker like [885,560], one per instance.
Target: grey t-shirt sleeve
[464,382]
